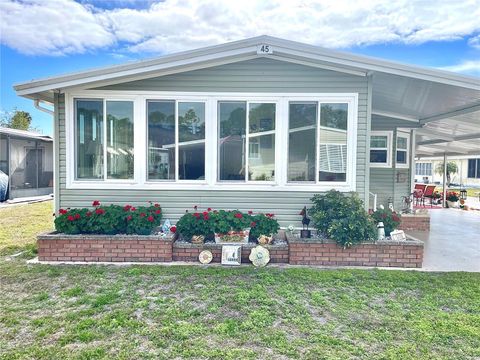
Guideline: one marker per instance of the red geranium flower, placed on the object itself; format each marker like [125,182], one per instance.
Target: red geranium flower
[96,203]
[70,218]
[89,213]
[197,215]
[253,224]
[157,205]
[133,208]
[173,228]
[100,211]
[77,216]
[158,211]
[129,217]
[205,216]
[142,215]
[62,211]
[250,212]
[238,215]
[127,207]
[209,209]
[150,218]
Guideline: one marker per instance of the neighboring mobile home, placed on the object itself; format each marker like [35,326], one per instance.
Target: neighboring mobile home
[259,124]
[468,174]
[26,158]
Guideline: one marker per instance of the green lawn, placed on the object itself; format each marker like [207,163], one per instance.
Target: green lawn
[162,312]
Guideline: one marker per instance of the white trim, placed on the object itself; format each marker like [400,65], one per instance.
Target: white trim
[281,100]
[389,136]
[407,150]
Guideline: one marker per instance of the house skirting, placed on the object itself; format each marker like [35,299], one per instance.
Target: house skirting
[294,251]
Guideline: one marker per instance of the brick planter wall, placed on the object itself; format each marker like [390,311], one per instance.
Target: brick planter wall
[407,254]
[183,251]
[415,222]
[121,248]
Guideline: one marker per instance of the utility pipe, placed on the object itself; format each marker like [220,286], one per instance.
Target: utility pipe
[444,180]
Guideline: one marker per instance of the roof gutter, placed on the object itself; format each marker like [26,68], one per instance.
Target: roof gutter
[36,103]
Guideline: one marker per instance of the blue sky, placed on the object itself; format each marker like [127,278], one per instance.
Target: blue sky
[41,38]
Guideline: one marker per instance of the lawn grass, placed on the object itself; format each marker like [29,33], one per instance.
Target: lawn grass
[20,224]
[159,312]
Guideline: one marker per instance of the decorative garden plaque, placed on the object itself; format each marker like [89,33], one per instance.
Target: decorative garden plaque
[231,255]
[259,256]
[205,257]
[398,235]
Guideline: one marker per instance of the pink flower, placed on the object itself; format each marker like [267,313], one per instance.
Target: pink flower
[96,203]
[62,211]
[142,215]
[209,209]
[158,211]
[100,211]
[127,207]
[238,215]
[173,229]
[133,208]
[70,218]
[205,216]
[150,218]
[129,217]
[77,216]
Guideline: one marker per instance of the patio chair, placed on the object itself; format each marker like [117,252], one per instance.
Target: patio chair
[428,194]
[418,192]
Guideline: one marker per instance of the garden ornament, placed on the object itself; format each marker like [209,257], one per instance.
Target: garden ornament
[259,256]
[205,257]
[381,231]
[305,233]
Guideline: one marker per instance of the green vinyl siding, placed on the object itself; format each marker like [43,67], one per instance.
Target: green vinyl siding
[260,75]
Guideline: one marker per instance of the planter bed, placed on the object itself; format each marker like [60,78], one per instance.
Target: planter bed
[415,222]
[115,248]
[385,253]
[185,251]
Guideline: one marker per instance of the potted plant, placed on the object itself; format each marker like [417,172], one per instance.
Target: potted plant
[196,226]
[452,199]
[390,219]
[231,226]
[263,227]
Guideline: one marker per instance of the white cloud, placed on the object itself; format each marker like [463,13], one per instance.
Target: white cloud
[59,27]
[470,67]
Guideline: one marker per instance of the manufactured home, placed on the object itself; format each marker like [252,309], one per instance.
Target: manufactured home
[259,124]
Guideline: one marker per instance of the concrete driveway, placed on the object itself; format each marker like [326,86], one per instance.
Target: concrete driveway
[453,242]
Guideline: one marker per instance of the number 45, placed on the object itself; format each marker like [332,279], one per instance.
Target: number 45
[264,49]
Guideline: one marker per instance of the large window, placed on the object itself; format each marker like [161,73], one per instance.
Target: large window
[240,130]
[473,169]
[380,149]
[402,150]
[176,140]
[97,139]
[212,141]
[306,125]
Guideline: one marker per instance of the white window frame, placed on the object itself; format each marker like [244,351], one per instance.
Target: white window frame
[211,182]
[407,150]
[389,136]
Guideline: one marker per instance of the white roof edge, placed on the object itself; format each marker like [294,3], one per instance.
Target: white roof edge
[244,47]
[25,134]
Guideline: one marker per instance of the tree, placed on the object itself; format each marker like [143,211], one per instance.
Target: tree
[452,168]
[20,120]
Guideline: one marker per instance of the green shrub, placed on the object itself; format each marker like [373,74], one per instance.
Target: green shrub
[390,219]
[263,224]
[230,220]
[112,219]
[342,218]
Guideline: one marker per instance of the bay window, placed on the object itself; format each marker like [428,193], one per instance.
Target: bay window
[380,148]
[176,140]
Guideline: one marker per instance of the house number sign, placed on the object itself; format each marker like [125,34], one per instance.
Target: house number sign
[264,49]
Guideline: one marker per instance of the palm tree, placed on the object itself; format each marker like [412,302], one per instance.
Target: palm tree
[452,168]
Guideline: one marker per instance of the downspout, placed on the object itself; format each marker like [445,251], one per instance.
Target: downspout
[36,103]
